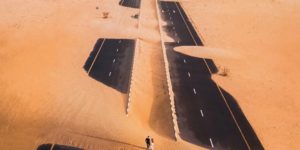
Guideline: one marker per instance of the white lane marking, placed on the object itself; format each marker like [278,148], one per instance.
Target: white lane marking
[195,92]
[174,11]
[96,56]
[231,113]
[117,50]
[201,113]
[189,74]
[109,74]
[120,41]
[162,10]
[211,143]
[184,61]
[178,41]
[114,60]
[172,22]
[52,146]
[186,25]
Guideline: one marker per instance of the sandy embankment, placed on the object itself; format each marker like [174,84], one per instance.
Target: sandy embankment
[258,41]
[47,97]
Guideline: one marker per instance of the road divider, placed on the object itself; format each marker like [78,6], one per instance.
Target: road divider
[170,89]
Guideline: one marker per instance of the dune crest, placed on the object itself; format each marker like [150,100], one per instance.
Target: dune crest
[207,52]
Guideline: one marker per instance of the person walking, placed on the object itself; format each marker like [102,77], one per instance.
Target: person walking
[151,144]
[148,142]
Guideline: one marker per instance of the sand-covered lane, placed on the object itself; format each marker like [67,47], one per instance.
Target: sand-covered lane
[197,95]
[262,36]
[45,92]
[47,96]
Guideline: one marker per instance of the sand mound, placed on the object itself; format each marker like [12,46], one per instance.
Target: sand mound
[207,52]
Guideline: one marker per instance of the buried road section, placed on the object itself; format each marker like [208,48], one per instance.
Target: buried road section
[130,3]
[206,114]
[111,62]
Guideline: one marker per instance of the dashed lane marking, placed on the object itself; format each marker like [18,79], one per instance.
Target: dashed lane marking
[226,103]
[195,92]
[184,61]
[114,60]
[189,74]
[109,74]
[202,114]
[211,143]
[117,50]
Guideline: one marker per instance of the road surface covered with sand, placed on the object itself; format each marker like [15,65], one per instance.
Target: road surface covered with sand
[47,96]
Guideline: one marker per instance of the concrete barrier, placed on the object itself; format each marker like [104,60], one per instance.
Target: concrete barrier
[170,89]
[132,75]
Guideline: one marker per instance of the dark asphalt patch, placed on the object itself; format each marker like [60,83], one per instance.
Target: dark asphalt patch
[196,94]
[56,147]
[130,3]
[113,64]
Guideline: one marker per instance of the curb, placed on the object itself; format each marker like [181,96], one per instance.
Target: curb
[131,78]
[170,88]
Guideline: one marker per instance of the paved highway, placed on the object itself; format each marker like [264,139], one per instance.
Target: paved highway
[207,115]
[110,62]
[56,147]
[130,3]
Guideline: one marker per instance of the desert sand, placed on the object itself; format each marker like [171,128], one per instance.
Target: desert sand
[47,97]
[258,42]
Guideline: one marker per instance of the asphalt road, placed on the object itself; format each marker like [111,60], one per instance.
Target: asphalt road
[130,3]
[110,62]
[56,147]
[207,115]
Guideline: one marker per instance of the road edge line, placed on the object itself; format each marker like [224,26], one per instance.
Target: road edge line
[219,89]
[96,57]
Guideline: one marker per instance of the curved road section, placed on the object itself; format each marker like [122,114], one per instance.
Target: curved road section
[207,115]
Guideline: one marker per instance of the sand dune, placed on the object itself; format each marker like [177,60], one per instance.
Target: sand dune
[47,97]
[265,34]
[207,52]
